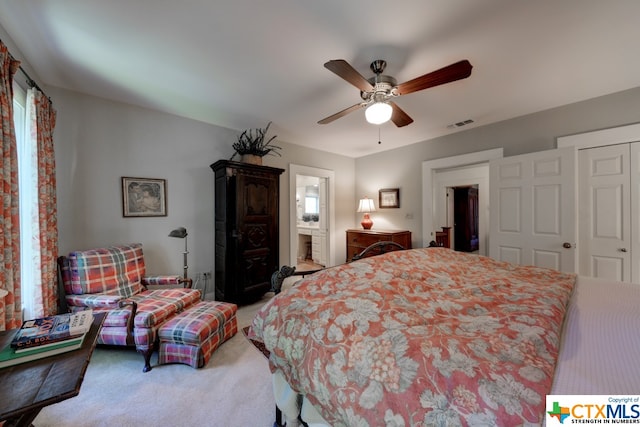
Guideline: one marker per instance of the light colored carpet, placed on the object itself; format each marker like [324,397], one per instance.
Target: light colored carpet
[233,389]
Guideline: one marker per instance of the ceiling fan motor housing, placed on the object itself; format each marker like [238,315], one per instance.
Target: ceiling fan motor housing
[383,85]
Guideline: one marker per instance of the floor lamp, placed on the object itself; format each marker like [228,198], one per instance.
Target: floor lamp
[181,233]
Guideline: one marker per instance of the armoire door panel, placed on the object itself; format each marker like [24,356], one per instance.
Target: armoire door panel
[257,236]
[256,195]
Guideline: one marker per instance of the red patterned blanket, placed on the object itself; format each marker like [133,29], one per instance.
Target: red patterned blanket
[420,337]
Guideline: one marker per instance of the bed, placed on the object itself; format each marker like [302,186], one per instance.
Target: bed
[436,337]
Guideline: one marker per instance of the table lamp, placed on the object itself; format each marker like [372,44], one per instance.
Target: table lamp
[366,205]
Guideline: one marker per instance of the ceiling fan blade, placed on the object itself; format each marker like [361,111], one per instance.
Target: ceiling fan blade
[398,116]
[342,69]
[459,70]
[341,113]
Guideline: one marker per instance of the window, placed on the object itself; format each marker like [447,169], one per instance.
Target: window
[311,205]
[27,181]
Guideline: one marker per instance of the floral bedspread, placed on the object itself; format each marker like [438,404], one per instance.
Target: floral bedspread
[420,337]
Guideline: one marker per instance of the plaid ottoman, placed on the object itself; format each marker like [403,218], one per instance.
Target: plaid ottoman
[193,335]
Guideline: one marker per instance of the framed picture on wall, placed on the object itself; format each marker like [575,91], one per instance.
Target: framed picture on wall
[143,197]
[389,198]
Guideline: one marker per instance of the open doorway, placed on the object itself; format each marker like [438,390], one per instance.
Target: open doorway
[463,215]
[311,193]
[434,199]
[311,217]
[462,205]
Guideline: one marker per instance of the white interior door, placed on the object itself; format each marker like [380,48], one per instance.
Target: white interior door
[604,222]
[635,211]
[533,202]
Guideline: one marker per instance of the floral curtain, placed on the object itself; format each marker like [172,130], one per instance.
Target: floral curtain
[45,241]
[9,202]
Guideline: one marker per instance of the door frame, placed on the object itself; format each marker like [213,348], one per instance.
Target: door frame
[600,138]
[429,169]
[444,180]
[294,171]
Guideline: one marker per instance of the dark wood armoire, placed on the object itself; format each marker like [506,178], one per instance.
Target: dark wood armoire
[246,227]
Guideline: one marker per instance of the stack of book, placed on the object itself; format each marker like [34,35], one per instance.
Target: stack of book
[46,336]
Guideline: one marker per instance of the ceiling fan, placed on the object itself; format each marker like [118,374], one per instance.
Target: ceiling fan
[378,92]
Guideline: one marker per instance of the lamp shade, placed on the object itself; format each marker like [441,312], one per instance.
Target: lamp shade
[366,205]
[378,113]
[179,232]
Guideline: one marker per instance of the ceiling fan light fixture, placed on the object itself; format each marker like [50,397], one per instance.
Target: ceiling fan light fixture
[378,113]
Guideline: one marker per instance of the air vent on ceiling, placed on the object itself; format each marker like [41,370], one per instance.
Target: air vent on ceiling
[460,124]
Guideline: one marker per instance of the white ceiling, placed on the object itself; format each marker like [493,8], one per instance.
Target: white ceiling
[243,63]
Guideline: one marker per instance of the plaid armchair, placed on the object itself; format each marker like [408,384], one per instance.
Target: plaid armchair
[113,279]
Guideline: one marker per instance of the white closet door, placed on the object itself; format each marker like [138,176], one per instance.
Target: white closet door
[533,201]
[635,212]
[604,207]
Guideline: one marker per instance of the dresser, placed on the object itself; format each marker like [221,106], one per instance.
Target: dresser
[358,240]
[246,229]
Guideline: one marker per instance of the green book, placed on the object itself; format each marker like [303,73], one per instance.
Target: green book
[9,356]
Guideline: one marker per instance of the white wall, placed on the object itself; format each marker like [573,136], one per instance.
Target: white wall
[98,141]
[535,132]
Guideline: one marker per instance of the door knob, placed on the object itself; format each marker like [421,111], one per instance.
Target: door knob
[622,249]
[567,245]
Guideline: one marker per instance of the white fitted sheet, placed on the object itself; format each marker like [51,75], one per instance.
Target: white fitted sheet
[600,349]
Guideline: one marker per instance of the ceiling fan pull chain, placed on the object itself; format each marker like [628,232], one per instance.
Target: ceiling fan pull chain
[379,140]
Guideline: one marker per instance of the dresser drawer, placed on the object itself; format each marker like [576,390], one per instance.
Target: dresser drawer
[364,240]
[358,240]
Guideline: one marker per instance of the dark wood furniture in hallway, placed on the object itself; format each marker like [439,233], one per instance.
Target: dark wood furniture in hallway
[443,238]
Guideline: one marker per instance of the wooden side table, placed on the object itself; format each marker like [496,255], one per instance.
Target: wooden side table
[28,387]
[358,240]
